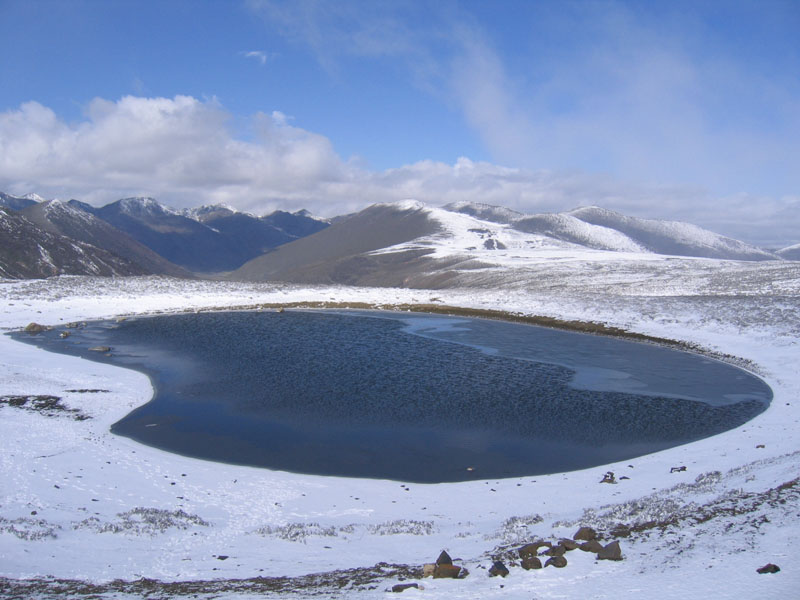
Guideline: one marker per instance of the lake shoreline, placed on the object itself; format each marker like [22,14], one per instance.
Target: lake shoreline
[573,325]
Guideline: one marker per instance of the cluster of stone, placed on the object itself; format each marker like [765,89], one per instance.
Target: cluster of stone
[530,555]
[585,539]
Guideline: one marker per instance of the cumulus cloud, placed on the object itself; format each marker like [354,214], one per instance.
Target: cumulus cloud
[182,151]
[178,148]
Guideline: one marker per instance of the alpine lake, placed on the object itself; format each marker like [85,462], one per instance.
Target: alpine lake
[408,396]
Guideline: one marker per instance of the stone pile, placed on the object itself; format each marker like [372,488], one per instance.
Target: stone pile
[444,568]
[530,557]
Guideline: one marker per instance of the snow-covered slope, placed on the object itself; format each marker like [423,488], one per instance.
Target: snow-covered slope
[790,252]
[568,228]
[598,228]
[83,510]
[451,246]
[485,212]
[672,237]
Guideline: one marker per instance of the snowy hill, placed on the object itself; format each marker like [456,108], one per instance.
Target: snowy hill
[485,212]
[603,229]
[672,237]
[790,253]
[571,229]
[463,243]
[400,244]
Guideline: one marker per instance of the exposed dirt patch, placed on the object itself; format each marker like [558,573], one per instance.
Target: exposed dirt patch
[333,583]
[49,406]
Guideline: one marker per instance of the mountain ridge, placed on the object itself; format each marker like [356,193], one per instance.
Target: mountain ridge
[30,252]
[72,220]
[404,243]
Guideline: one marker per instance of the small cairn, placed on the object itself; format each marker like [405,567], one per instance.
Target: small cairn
[443,568]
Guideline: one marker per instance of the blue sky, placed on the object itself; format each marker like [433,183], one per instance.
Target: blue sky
[683,110]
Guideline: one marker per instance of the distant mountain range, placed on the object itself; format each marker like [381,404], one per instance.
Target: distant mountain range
[398,244]
[148,237]
[72,220]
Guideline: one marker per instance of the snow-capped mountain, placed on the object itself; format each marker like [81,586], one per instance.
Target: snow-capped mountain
[16,202]
[76,221]
[28,251]
[400,244]
[184,241]
[143,207]
[209,212]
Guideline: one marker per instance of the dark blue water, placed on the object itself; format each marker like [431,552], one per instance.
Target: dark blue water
[410,397]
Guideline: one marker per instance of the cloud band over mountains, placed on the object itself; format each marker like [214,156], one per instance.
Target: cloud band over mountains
[186,152]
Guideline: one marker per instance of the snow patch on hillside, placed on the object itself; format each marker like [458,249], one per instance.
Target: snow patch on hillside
[144,207]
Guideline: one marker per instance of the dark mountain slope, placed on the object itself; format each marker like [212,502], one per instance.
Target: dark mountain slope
[249,235]
[208,239]
[30,252]
[74,221]
[177,238]
[15,202]
[340,253]
[297,224]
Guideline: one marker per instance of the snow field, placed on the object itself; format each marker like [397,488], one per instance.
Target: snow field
[106,507]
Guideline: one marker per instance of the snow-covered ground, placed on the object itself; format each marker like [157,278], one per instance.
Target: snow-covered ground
[78,503]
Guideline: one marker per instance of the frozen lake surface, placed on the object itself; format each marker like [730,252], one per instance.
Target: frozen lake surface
[418,398]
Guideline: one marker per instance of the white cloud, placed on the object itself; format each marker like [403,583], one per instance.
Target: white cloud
[181,151]
[258,55]
[651,94]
